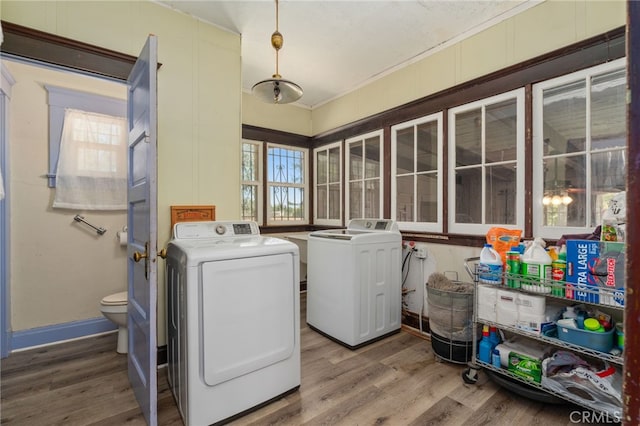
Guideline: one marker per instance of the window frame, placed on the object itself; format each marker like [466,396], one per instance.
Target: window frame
[259,183]
[316,220]
[347,173]
[61,98]
[304,186]
[482,228]
[555,232]
[416,226]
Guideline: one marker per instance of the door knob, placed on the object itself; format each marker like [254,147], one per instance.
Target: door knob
[137,256]
[163,253]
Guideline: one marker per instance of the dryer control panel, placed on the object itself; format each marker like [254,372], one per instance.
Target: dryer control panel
[214,229]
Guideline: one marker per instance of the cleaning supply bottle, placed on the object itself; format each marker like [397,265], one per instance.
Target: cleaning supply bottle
[494,337]
[512,268]
[490,265]
[562,253]
[581,316]
[495,358]
[536,266]
[570,313]
[485,347]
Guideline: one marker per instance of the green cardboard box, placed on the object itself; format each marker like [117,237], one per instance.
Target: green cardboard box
[525,367]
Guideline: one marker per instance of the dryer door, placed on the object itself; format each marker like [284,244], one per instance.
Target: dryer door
[247,315]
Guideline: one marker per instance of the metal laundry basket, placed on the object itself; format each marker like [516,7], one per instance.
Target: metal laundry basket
[451,321]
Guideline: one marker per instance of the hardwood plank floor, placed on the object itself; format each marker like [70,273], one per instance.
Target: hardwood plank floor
[395,381]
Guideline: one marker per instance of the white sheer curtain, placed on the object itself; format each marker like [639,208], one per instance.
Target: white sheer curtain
[92,165]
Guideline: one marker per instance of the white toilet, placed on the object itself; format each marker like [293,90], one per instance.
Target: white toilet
[114,308]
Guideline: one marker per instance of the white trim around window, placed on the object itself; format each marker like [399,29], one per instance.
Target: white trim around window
[580,150]
[479,179]
[251,187]
[328,185]
[293,184]
[61,98]
[419,169]
[367,173]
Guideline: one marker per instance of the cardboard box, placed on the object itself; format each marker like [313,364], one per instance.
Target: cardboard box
[524,366]
[487,297]
[531,304]
[581,256]
[608,273]
[507,307]
[538,323]
[595,272]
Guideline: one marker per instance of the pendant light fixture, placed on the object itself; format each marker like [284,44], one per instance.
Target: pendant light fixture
[276,90]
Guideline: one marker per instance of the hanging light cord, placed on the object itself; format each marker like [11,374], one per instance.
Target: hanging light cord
[276,41]
[276,90]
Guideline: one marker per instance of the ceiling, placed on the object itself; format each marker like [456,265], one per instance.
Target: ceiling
[333,47]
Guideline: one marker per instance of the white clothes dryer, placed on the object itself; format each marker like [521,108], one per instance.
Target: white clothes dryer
[233,319]
[354,281]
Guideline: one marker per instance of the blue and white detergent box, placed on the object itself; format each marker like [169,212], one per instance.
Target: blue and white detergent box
[581,257]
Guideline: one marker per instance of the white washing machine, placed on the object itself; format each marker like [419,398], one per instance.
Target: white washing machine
[233,319]
[354,281]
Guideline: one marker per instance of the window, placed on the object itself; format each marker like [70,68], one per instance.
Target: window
[92,165]
[416,186]
[61,99]
[251,181]
[579,139]
[328,184]
[364,171]
[486,164]
[96,158]
[286,185]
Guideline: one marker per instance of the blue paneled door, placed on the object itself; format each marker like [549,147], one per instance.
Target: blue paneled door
[142,227]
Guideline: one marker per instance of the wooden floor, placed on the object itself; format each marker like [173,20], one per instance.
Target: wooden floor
[395,381]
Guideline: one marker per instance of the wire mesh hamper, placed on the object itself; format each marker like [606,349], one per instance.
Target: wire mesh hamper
[451,320]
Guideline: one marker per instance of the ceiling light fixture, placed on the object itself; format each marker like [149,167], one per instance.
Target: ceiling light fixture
[557,196]
[277,90]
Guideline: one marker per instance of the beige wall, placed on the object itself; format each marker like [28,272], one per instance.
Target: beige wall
[286,118]
[60,268]
[199,100]
[540,29]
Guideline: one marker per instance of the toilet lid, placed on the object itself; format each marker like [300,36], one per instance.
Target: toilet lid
[115,299]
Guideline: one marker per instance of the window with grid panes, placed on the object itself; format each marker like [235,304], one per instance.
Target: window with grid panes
[364,173]
[251,181]
[486,164]
[328,184]
[579,148]
[286,185]
[416,185]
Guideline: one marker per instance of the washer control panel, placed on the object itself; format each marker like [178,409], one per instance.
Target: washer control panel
[373,225]
[214,229]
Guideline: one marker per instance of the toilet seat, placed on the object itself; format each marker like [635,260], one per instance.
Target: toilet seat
[116,299]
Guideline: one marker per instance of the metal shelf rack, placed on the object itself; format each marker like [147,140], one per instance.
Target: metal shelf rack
[549,289]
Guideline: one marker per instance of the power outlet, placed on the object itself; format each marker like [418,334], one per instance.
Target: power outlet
[421,251]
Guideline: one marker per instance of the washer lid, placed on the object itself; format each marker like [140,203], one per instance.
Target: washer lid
[115,299]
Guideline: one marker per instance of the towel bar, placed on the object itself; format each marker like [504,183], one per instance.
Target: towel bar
[100,230]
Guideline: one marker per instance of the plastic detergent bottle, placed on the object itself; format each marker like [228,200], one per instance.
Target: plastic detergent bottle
[485,347]
[562,253]
[495,358]
[536,265]
[569,313]
[490,265]
[494,337]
